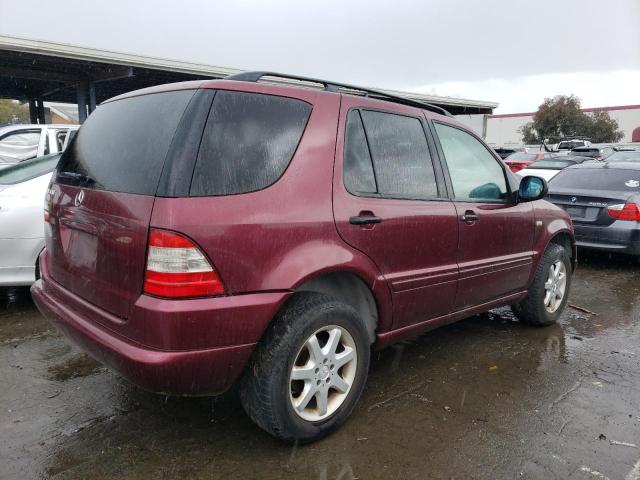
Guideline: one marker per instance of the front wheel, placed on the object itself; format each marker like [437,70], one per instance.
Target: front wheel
[549,291]
[309,371]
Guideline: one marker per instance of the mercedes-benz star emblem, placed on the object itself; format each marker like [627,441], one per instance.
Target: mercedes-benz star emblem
[79,198]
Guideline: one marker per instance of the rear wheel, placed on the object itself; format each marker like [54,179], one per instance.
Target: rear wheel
[309,371]
[549,291]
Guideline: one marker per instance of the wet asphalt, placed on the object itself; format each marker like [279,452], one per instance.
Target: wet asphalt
[485,398]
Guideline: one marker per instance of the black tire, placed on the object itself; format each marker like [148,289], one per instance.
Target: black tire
[532,310]
[264,388]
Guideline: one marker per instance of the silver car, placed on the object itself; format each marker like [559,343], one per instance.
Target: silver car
[22,190]
[22,142]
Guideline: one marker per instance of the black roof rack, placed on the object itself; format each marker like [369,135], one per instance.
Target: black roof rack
[340,88]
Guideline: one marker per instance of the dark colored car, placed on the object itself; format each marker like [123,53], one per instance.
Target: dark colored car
[603,200]
[201,233]
[521,160]
[596,153]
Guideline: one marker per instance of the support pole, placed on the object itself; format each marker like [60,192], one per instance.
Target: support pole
[92,97]
[82,101]
[40,111]
[33,112]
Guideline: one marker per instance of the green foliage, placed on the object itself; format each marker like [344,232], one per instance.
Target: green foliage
[13,112]
[561,117]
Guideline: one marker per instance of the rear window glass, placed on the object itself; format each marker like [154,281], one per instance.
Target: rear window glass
[624,157]
[123,144]
[401,159]
[248,142]
[358,169]
[19,145]
[599,179]
[551,164]
[28,169]
[521,157]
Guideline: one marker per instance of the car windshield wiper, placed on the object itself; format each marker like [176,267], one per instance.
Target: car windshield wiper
[83,177]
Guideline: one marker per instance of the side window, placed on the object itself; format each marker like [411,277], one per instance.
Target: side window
[18,146]
[401,159]
[248,142]
[475,173]
[358,169]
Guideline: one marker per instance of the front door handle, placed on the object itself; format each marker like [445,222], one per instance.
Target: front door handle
[469,216]
[364,220]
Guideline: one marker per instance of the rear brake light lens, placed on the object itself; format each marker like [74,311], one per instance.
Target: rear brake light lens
[626,211]
[177,268]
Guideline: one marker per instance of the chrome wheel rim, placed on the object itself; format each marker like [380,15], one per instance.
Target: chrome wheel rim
[323,373]
[555,286]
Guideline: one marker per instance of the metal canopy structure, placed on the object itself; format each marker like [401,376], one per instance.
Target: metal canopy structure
[39,71]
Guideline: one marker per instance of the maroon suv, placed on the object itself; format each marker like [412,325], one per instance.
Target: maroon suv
[208,232]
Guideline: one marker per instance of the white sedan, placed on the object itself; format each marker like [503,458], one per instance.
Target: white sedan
[22,191]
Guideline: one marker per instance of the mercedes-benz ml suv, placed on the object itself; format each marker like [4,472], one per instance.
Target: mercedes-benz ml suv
[199,234]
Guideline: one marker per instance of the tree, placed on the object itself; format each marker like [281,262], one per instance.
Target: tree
[561,117]
[13,112]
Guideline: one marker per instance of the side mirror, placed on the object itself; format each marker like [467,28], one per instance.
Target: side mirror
[532,188]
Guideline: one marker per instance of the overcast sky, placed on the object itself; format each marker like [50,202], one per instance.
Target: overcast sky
[515,52]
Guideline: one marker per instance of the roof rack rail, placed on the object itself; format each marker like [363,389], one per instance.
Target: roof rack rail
[339,88]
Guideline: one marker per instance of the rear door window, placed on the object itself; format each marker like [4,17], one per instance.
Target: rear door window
[122,146]
[358,168]
[397,144]
[248,142]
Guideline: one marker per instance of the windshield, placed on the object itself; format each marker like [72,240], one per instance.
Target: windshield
[624,157]
[28,169]
[598,178]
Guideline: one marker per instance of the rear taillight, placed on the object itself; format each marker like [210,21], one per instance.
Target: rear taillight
[177,268]
[626,211]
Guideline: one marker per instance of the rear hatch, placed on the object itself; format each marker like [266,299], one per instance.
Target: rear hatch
[102,195]
[586,192]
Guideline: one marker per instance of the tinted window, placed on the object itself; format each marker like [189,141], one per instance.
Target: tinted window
[248,142]
[123,144]
[28,169]
[18,146]
[358,170]
[400,154]
[475,173]
[598,179]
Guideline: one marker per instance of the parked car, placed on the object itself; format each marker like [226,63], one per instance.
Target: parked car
[624,156]
[204,232]
[519,161]
[597,153]
[22,142]
[549,168]
[22,190]
[603,200]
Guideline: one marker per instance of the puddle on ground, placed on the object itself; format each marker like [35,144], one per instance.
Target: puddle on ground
[80,365]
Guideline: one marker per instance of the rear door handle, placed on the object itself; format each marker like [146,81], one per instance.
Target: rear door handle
[469,216]
[364,220]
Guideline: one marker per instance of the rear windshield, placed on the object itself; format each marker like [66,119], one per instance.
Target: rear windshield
[521,157]
[551,164]
[598,179]
[570,145]
[248,142]
[123,144]
[28,169]
[624,157]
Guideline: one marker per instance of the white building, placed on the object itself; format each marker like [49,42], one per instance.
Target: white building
[505,129]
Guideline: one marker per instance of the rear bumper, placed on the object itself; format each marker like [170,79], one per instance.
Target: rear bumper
[199,371]
[620,237]
[18,258]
